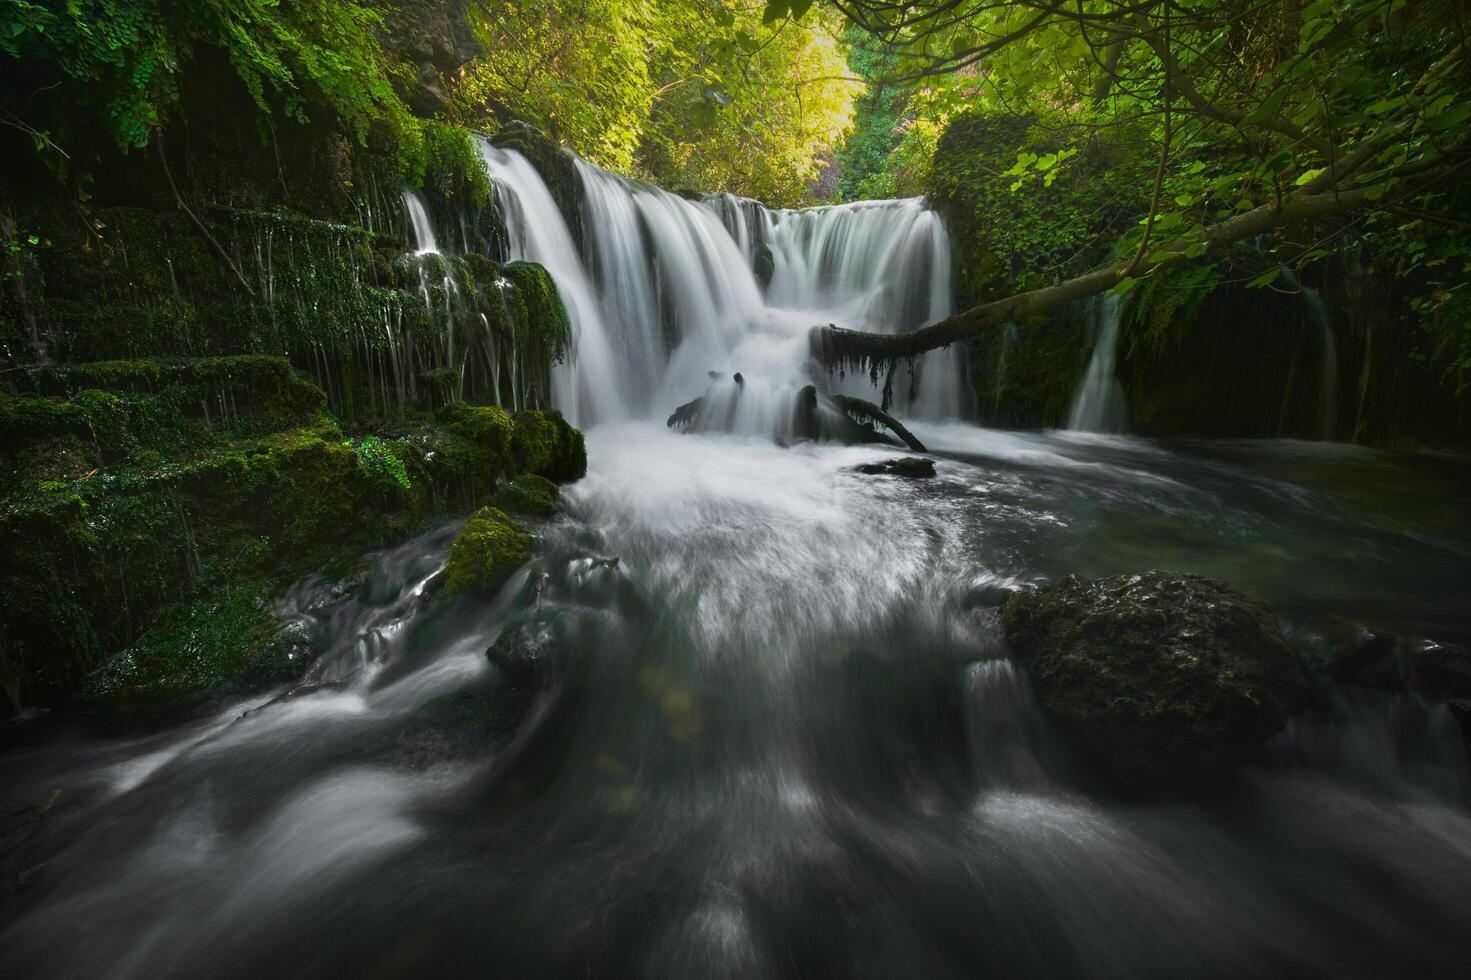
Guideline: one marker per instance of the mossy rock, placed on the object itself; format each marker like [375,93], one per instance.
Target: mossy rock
[222,641]
[486,427]
[543,443]
[485,553]
[529,494]
[1159,676]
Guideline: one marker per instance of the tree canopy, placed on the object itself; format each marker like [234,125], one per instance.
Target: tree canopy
[1329,119]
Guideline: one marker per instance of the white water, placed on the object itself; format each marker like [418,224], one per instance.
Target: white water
[1098,404]
[422,227]
[665,304]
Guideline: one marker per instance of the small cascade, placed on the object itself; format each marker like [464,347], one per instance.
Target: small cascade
[1326,409]
[1009,337]
[1099,404]
[424,242]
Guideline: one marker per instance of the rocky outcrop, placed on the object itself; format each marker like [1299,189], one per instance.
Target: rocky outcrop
[434,38]
[1159,676]
[913,467]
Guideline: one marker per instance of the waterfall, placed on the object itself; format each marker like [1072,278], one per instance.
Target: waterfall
[1327,407]
[587,388]
[1098,404]
[666,303]
[423,229]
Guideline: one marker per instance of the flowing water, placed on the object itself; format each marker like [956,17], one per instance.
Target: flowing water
[1099,404]
[779,737]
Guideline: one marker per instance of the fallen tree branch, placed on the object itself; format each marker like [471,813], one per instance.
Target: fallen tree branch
[836,347]
[868,411]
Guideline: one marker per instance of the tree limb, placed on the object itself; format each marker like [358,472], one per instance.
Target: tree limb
[837,347]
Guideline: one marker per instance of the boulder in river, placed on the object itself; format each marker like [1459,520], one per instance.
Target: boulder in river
[1161,675]
[913,467]
[486,551]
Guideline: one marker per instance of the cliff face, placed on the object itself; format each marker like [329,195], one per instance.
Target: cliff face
[434,39]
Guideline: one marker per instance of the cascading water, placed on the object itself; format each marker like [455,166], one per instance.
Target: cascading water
[664,294]
[419,223]
[1327,400]
[1098,404]
[774,732]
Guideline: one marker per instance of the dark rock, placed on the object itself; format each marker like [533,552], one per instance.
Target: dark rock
[1160,675]
[1460,710]
[524,652]
[1440,671]
[738,378]
[1368,660]
[914,467]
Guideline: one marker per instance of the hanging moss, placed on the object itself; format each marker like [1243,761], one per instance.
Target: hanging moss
[485,553]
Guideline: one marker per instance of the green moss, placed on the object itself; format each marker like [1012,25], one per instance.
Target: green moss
[529,494]
[485,553]
[489,429]
[543,443]
[220,641]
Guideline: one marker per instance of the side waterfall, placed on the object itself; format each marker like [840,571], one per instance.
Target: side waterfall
[1098,404]
[667,301]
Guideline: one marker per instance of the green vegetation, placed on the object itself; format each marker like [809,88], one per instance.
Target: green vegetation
[485,553]
[690,94]
[528,494]
[1319,128]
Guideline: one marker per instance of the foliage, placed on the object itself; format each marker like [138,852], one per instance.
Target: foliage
[379,457]
[124,57]
[687,93]
[1354,112]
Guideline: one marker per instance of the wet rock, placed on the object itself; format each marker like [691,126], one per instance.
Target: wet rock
[529,494]
[1368,660]
[1440,671]
[913,467]
[491,546]
[545,444]
[1158,676]
[523,652]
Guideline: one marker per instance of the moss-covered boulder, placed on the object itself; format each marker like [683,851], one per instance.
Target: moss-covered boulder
[222,641]
[1159,676]
[529,494]
[543,443]
[487,550]
[487,427]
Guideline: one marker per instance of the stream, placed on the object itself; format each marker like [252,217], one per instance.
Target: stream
[780,736]
[779,742]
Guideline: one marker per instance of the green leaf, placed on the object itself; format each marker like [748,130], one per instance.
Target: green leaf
[1266,278]
[1123,286]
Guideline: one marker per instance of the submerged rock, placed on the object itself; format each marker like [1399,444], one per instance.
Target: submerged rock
[485,553]
[1161,675]
[914,467]
[523,652]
